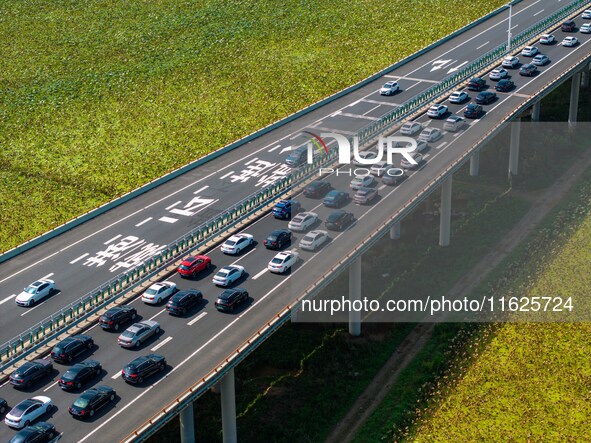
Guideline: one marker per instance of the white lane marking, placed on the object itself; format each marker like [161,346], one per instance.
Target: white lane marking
[50,386]
[259,274]
[377,102]
[365,117]
[539,12]
[141,223]
[372,109]
[168,219]
[242,256]
[162,343]
[47,276]
[10,297]
[512,28]
[196,319]
[156,315]
[32,309]
[483,45]
[251,161]
[274,148]
[441,145]
[116,375]
[412,86]
[418,80]
[226,175]
[4,384]
[79,258]
[92,327]
[381,187]
[173,205]
[201,189]
[111,240]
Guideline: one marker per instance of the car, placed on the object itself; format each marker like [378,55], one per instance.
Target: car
[458,97]
[540,60]
[277,239]
[230,298]
[117,316]
[585,28]
[547,39]
[29,372]
[228,275]
[365,155]
[394,176]
[429,135]
[79,374]
[181,302]
[568,26]
[3,406]
[138,333]
[193,265]
[303,221]
[504,85]
[237,243]
[530,51]
[473,110]
[454,123]
[586,13]
[91,401]
[510,61]
[317,189]
[485,97]
[498,74]
[42,432]
[411,128]
[528,70]
[476,84]
[159,292]
[70,347]
[141,368]
[35,292]
[364,196]
[422,146]
[570,41]
[313,240]
[389,88]
[283,261]
[437,111]
[378,169]
[418,158]
[362,182]
[27,411]
[339,220]
[285,208]
[335,198]
[297,157]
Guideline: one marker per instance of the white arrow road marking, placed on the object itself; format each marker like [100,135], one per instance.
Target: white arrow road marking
[439,64]
[285,149]
[456,68]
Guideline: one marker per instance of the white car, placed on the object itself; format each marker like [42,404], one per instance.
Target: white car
[159,292]
[35,291]
[389,88]
[529,51]
[429,135]
[379,168]
[540,60]
[283,261]
[313,240]
[510,61]
[362,182]
[458,97]
[585,28]
[405,164]
[411,128]
[422,145]
[303,221]
[365,155]
[498,74]
[27,411]
[228,275]
[586,13]
[547,39]
[453,123]
[570,41]
[237,243]
[437,111]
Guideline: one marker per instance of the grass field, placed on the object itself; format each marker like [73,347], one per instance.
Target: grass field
[99,97]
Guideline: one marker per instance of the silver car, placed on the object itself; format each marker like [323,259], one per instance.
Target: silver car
[453,123]
[430,135]
[313,240]
[411,128]
[138,333]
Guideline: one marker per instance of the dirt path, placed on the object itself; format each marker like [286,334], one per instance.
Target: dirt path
[373,395]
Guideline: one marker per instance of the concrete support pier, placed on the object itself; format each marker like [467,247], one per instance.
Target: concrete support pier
[395,231]
[228,408]
[187,424]
[355,294]
[574,100]
[535,111]
[445,213]
[514,147]
[475,164]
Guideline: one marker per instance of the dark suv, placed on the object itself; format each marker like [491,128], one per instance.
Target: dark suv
[317,189]
[476,84]
[473,111]
[117,316]
[285,208]
[30,372]
[70,347]
[277,239]
[140,368]
[230,298]
[568,26]
[297,157]
[182,301]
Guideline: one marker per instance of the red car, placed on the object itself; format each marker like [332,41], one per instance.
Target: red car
[191,266]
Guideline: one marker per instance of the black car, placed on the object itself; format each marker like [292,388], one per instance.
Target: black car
[473,111]
[140,368]
[394,177]
[528,70]
[568,26]
[317,189]
[339,220]
[182,301]
[27,374]
[41,432]
[486,97]
[297,157]
[3,406]
[91,401]
[476,84]
[230,298]
[335,199]
[285,208]
[79,374]
[504,85]
[117,316]
[70,347]
[277,239]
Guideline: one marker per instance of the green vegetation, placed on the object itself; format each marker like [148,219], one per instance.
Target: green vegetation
[99,97]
